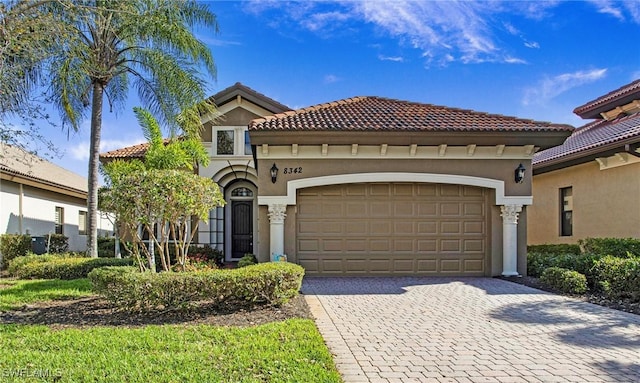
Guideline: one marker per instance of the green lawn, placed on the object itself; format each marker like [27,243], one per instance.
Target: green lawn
[289,351]
[21,292]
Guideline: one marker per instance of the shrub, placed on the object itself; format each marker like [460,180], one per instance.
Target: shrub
[128,289]
[247,260]
[562,248]
[57,243]
[618,277]
[12,246]
[107,246]
[582,263]
[618,247]
[62,266]
[567,281]
[205,253]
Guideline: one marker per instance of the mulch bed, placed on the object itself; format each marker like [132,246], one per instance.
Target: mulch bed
[598,299]
[95,311]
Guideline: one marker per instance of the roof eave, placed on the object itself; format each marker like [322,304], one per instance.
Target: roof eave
[583,156]
[541,139]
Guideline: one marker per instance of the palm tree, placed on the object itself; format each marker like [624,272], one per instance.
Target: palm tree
[147,44]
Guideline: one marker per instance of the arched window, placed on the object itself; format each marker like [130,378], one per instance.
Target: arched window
[241,192]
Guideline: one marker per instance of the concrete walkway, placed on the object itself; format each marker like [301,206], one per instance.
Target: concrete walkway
[412,329]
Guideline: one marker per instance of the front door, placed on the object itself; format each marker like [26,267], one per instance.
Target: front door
[241,228]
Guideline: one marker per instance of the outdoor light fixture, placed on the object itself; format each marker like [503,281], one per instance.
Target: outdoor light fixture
[519,173]
[274,173]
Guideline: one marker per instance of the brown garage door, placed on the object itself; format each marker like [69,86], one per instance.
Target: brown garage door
[392,228]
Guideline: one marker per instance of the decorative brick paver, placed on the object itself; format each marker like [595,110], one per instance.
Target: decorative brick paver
[414,329]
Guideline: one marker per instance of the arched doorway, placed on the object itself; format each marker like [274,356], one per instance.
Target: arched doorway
[240,219]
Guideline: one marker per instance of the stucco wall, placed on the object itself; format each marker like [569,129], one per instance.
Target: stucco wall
[493,169]
[38,211]
[605,203]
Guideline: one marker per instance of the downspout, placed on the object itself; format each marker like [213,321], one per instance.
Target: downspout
[20,215]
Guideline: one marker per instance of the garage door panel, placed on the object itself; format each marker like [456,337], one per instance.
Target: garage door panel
[450,245]
[402,228]
[450,209]
[380,228]
[331,245]
[451,227]
[427,209]
[473,227]
[473,246]
[403,245]
[356,228]
[426,228]
[403,190]
[452,266]
[427,246]
[471,209]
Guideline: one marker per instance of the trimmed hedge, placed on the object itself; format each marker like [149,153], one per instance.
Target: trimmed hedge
[62,266]
[565,280]
[582,263]
[271,283]
[618,247]
[562,248]
[247,260]
[618,277]
[57,243]
[13,246]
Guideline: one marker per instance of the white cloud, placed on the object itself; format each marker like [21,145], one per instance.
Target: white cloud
[608,8]
[551,87]
[390,58]
[621,10]
[514,60]
[531,44]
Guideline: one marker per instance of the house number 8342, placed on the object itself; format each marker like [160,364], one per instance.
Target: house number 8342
[293,170]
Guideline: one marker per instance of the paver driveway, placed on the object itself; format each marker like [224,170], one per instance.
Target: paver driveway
[412,329]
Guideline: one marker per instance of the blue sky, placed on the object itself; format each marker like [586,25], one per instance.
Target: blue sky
[535,60]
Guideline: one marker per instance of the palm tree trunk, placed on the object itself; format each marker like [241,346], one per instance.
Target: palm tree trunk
[94,161]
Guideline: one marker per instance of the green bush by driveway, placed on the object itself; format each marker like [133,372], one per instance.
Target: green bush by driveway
[59,266]
[126,288]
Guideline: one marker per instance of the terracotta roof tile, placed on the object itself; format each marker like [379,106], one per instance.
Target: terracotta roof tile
[611,97]
[135,151]
[596,134]
[383,114]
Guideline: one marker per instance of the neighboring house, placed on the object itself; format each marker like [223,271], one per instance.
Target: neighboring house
[590,185]
[371,186]
[38,197]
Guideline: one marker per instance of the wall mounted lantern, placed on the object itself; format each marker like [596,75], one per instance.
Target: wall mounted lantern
[274,173]
[519,174]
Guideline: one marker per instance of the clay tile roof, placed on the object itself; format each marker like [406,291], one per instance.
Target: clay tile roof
[383,114]
[598,134]
[135,151]
[607,102]
[14,160]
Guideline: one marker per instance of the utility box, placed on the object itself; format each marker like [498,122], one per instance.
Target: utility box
[38,245]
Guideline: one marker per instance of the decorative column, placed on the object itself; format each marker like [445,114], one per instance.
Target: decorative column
[276,229]
[509,214]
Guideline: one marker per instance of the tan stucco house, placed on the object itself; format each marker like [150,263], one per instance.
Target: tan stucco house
[590,185]
[371,186]
[38,197]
